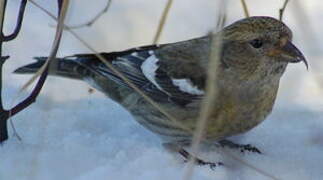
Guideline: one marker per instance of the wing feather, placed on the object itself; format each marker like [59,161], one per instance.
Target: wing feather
[152,78]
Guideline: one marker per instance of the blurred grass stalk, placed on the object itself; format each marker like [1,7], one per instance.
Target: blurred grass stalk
[162,21]
[245,8]
[94,19]
[312,43]
[282,10]
[211,89]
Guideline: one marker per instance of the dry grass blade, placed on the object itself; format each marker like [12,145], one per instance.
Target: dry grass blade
[243,162]
[282,10]
[302,18]
[245,8]
[108,64]
[95,18]
[305,25]
[209,99]
[221,22]
[162,21]
[2,8]
[208,102]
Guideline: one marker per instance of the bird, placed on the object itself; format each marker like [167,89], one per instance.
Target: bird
[254,54]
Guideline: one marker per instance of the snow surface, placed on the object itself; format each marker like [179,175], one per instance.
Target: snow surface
[71,134]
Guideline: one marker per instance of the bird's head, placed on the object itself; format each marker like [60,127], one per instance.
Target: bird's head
[259,42]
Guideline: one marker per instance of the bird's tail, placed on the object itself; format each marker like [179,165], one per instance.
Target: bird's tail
[64,67]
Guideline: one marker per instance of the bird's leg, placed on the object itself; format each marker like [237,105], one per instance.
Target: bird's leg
[187,156]
[241,147]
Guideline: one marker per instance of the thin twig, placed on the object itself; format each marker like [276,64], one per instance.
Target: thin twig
[20,17]
[211,89]
[4,114]
[2,61]
[209,100]
[94,19]
[3,5]
[282,10]
[312,41]
[30,99]
[302,18]
[108,64]
[162,21]
[245,8]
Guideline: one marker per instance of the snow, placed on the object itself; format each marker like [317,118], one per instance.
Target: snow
[72,134]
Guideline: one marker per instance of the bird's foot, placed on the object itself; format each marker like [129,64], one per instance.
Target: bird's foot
[198,161]
[242,147]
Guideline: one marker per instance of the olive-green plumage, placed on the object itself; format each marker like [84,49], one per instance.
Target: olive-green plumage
[254,55]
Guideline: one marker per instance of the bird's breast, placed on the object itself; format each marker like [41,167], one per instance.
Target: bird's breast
[239,110]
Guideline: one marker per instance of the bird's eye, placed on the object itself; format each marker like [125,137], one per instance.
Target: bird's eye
[256,43]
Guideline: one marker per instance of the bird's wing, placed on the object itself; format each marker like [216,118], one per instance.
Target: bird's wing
[153,74]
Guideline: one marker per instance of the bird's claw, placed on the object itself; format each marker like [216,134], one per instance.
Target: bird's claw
[242,147]
[212,165]
[249,148]
[198,161]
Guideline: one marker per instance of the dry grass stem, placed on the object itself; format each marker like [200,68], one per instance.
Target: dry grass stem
[302,18]
[282,10]
[243,162]
[312,41]
[209,100]
[221,22]
[162,21]
[94,19]
[245,8]
[108,64]
[2,8]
